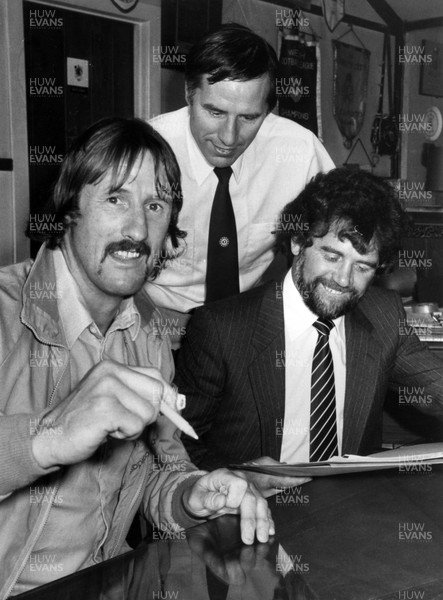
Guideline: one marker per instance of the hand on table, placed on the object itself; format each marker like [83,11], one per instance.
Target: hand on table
[271,484]
[111,400]
[222,492]
[218,545]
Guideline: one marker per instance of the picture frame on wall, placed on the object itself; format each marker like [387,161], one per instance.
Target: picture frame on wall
[431,74]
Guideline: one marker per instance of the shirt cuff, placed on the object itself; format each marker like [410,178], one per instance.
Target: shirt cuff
[19,466]
[179,513]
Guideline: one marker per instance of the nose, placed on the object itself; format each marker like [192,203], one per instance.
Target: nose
[343,274]
[135,226]
[228,132]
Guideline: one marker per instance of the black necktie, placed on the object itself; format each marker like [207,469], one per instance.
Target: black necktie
[323,437]
[222,264]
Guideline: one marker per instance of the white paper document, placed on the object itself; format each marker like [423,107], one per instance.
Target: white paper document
[404,458]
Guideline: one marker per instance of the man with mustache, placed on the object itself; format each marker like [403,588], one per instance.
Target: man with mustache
[83,369]
[298,371]
[240,163]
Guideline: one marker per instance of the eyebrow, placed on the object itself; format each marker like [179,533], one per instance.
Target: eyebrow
[370,263]
[118,190]
[213,107]
[166,198]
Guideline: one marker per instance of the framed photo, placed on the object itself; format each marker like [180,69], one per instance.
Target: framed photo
[431,74]
[77,71]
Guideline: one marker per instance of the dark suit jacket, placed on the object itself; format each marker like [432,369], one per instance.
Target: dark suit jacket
[231,368]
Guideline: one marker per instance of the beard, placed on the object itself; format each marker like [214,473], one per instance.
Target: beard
[317,299]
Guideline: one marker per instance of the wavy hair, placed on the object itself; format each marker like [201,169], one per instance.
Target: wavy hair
[362,208]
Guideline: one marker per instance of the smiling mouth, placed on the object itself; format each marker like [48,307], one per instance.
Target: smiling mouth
[334,291]
[224,151]
[129,258]
[125,254]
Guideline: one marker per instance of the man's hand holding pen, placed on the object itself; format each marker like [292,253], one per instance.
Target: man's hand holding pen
[112,400]
[115,400]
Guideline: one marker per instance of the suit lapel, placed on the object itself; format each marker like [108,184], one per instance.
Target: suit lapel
[267,371]
[362,369]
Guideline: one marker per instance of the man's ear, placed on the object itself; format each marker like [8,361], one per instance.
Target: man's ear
[296,247]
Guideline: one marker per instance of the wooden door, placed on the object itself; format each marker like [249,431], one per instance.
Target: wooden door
[57,110]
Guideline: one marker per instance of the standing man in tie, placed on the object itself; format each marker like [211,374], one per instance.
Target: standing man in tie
[240,166]
[298,371]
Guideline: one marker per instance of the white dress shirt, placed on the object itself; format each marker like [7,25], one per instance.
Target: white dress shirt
[300,340]
[271,172]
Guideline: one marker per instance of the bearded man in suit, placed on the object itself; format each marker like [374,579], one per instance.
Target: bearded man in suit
[252,366]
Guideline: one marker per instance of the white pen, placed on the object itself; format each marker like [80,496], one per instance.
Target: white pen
[174,417]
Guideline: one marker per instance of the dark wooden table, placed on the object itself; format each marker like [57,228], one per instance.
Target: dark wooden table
[354,537]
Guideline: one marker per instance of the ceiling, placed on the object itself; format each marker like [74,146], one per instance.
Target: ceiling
[397,14]
[414,10]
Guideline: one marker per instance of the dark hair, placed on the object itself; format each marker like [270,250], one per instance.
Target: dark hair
[232,52]
[364,209]
[113,145]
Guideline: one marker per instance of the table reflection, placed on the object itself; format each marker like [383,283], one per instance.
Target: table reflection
[376,536]
[210,563]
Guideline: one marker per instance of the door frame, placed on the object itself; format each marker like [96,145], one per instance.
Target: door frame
[146,19]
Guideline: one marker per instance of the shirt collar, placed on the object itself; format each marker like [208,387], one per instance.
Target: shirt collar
[71,302]
[298,317]
[128,318]
[200,166]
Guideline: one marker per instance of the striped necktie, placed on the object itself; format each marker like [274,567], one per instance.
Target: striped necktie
[323,426]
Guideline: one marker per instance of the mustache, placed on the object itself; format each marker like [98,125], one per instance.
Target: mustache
[127,246]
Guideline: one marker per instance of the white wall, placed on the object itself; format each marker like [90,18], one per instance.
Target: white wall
[14,202]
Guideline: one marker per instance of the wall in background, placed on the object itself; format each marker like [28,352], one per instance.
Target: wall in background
[415,106]
[424,244]
[14,204]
